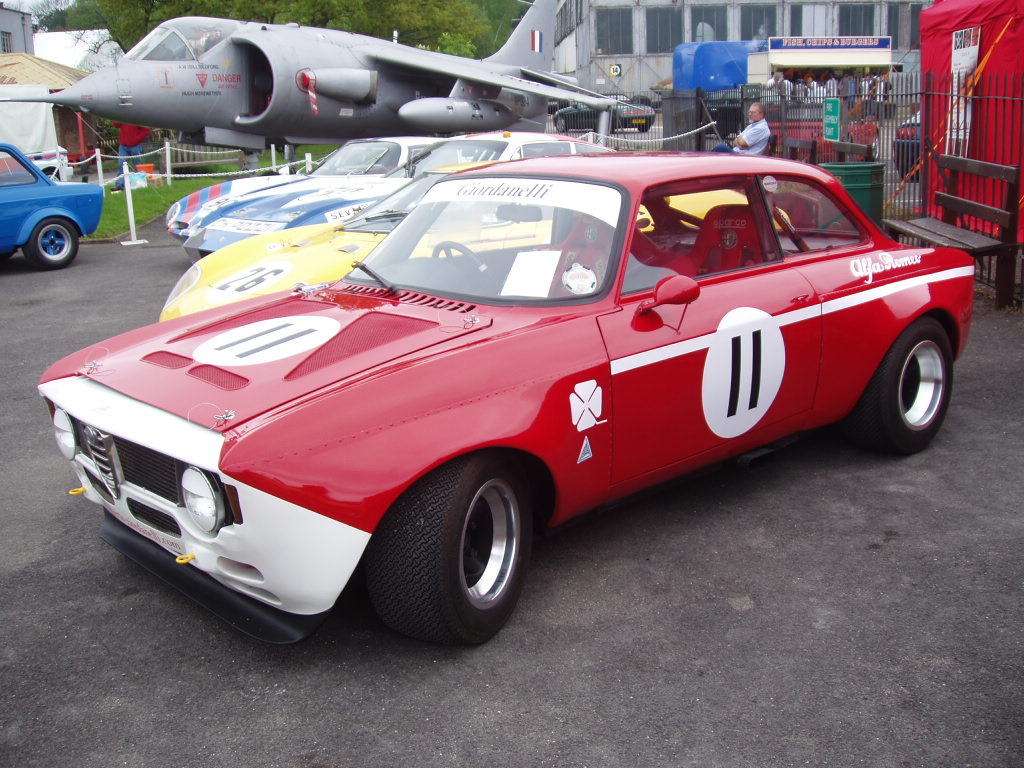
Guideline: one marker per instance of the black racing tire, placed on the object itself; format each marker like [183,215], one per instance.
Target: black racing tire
[52,245]
[5,256]
[644,128]
[448,561]
[906,400]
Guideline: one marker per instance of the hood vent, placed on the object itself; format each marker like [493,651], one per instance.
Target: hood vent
[369,331]
[167,359]
[218,377]
[407,297]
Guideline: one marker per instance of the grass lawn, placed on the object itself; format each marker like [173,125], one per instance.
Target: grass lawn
[149,203]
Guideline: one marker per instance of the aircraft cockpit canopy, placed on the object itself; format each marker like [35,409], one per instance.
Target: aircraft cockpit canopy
[184,39]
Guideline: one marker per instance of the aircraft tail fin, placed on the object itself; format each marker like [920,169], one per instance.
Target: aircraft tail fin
[532,43]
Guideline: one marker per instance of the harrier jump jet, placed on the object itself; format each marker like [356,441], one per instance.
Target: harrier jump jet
[246,84]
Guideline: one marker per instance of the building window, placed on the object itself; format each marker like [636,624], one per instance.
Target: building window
[796,21]
[757,22]
[856,20]
[614,30]
[6,42]
[915,25]
[708,22]
[664,29]
[570,16]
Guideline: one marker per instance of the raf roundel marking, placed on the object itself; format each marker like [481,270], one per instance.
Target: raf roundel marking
[743,371]
[249,280]
[267,341]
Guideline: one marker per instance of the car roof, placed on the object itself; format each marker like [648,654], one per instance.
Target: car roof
[524,136]
[638,171]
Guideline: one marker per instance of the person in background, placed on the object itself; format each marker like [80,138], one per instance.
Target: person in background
[754,138]
[130,140]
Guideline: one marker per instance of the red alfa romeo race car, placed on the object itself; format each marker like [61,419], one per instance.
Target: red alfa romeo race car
[618,320]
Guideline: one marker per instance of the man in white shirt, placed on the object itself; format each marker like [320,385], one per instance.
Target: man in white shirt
[754,138]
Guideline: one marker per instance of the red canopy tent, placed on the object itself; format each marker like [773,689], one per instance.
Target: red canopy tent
[996,128]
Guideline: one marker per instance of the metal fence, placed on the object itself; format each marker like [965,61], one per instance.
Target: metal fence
[903,119]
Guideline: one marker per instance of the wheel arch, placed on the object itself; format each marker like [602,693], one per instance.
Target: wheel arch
[535,472]
[30,223]
[949,324]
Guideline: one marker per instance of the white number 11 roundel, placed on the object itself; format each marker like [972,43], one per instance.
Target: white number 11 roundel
[743,371]
[267,340]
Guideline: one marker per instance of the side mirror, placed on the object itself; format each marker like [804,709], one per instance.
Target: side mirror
[678,289]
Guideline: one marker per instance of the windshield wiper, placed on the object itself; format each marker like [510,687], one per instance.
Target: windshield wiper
[372,273]
[394,213]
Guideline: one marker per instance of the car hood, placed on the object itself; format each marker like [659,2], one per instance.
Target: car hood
[323,254]
[305,198]
[223,367]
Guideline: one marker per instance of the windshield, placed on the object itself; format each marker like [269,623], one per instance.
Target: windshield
[453,152]
[184,39]
[361,157]
[503,240]
[384,215]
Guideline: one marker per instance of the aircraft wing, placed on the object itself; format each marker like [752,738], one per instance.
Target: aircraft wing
[480,72]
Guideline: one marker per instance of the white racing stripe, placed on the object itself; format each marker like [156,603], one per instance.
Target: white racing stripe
[680,348]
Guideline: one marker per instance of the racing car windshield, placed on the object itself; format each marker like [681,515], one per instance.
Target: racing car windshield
[453,152]
[504,240]
[361,157]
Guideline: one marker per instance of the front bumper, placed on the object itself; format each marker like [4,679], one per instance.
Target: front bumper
[206,239]
[280,554]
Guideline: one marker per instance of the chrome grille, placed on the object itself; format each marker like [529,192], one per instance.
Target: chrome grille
[118,460]
[100,447]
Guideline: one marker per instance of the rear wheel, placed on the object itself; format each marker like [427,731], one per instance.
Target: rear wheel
[906,400]
[448,560]
[53,244]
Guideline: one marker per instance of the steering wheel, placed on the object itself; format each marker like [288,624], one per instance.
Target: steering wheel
[448,249]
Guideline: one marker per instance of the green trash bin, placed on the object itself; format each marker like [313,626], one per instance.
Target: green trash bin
[865,182]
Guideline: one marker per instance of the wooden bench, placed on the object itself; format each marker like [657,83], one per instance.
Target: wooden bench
[198,156]
[793,147]
[952,229]
[844,148]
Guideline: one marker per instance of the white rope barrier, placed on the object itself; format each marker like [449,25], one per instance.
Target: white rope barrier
[624,141]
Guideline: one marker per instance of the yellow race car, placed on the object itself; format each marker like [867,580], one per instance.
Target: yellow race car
[280,261]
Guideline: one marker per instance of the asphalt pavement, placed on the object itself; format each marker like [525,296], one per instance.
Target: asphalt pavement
[828,607]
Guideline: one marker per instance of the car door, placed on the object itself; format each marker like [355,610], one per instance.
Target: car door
[20,190]
[732,369]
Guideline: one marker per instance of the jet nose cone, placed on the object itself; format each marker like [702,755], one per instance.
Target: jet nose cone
[81,95]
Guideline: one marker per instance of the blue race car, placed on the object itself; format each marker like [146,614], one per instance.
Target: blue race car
[41,216]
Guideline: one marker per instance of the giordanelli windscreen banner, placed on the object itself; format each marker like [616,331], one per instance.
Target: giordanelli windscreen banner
[966,43]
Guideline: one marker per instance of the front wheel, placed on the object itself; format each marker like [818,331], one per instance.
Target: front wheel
[906,400]
[53,244]
[447,562]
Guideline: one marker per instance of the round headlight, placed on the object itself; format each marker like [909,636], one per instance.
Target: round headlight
[202,500]
[65,434]
[172,213]
[185,283]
